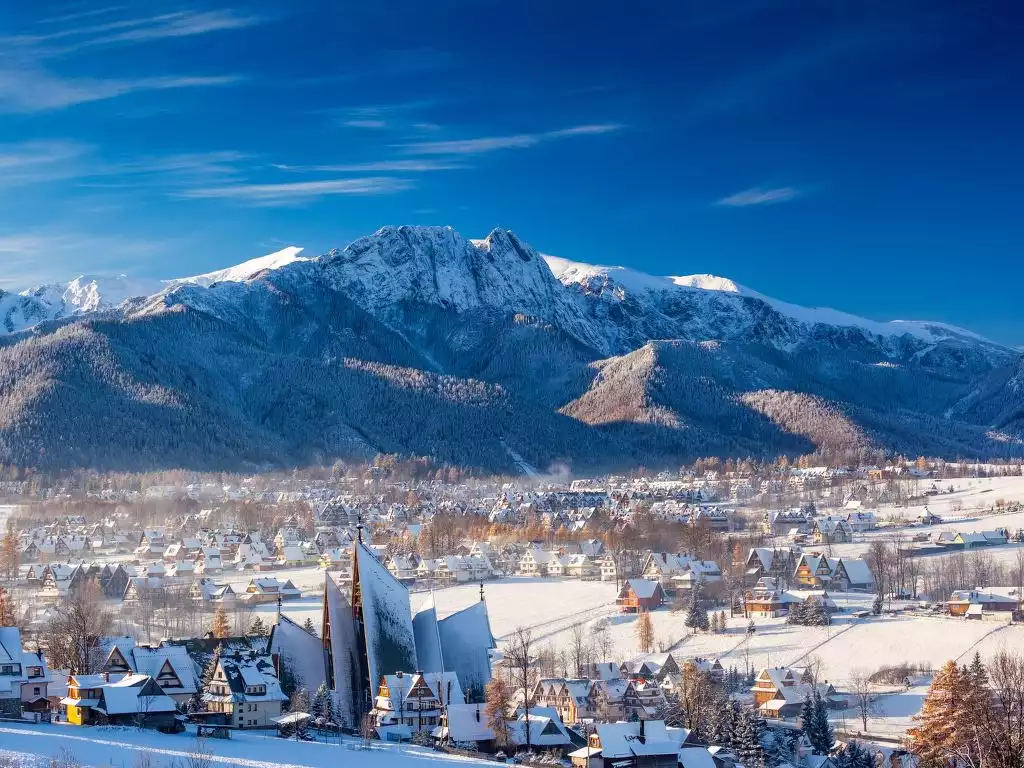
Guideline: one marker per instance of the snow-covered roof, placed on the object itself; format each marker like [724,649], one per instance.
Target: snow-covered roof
[134,694]
[624,740]
[468,722]
[387,617]
[644,589]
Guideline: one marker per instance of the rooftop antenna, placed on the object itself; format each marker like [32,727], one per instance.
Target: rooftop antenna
[481,591]
[359,528]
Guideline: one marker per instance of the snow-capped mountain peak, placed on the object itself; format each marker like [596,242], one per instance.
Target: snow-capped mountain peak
[246,270]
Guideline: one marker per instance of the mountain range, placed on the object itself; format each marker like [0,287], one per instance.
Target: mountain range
[485,353]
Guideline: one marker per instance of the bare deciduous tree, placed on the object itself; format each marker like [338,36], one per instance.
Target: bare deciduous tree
[860,687]
[75,629]
[519,658]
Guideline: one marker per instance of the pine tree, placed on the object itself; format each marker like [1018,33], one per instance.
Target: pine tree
[782,749]
[258,628]
[723,725]
[320,706]
[807,721]
[796,614]
[826,738]
[308,626]
[747,745]
[697,615]
[196,703]
[975,705]
[938,729]
[854,756]
[220,627]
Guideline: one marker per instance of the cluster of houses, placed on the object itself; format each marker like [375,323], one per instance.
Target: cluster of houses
[607,719]
[804,524]
[131,584]
[186,553]
[146,686]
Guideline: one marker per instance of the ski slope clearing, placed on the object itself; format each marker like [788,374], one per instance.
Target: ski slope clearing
[95,747]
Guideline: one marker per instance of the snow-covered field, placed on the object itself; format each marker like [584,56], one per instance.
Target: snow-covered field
[970,497]
[123,748]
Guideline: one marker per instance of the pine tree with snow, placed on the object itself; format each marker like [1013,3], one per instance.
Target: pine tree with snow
[781,748]
[796,614]
[748,746]
[196,703]
[258,628]
[853,755]
[697,615]
[722,725]
[308,626]
[320,707]
[817,615]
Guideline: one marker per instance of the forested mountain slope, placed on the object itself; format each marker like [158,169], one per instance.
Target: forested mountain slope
[417,340]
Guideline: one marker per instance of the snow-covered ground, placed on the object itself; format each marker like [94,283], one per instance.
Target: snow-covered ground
[123,747]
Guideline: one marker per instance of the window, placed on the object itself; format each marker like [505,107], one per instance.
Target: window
[36,691]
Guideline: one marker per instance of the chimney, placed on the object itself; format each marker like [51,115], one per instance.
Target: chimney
[642,732]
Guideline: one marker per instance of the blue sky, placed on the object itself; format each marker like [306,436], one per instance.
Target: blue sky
[860,155]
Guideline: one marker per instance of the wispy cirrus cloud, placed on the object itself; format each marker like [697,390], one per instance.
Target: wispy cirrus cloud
[494,143]
[28,82]
[372,124]
[383,166]
[759,196]
[133,30]
[26,89]
[294,193]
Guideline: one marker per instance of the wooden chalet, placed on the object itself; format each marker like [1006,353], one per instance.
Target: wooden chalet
[639,595]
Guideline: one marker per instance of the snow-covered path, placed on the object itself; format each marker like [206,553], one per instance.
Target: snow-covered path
[120,747]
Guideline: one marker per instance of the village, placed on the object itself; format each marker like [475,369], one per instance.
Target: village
[553,623]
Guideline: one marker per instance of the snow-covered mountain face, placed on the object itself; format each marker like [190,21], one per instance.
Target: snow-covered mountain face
[634,307]
[85,294]
[397,271]
[418,340]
